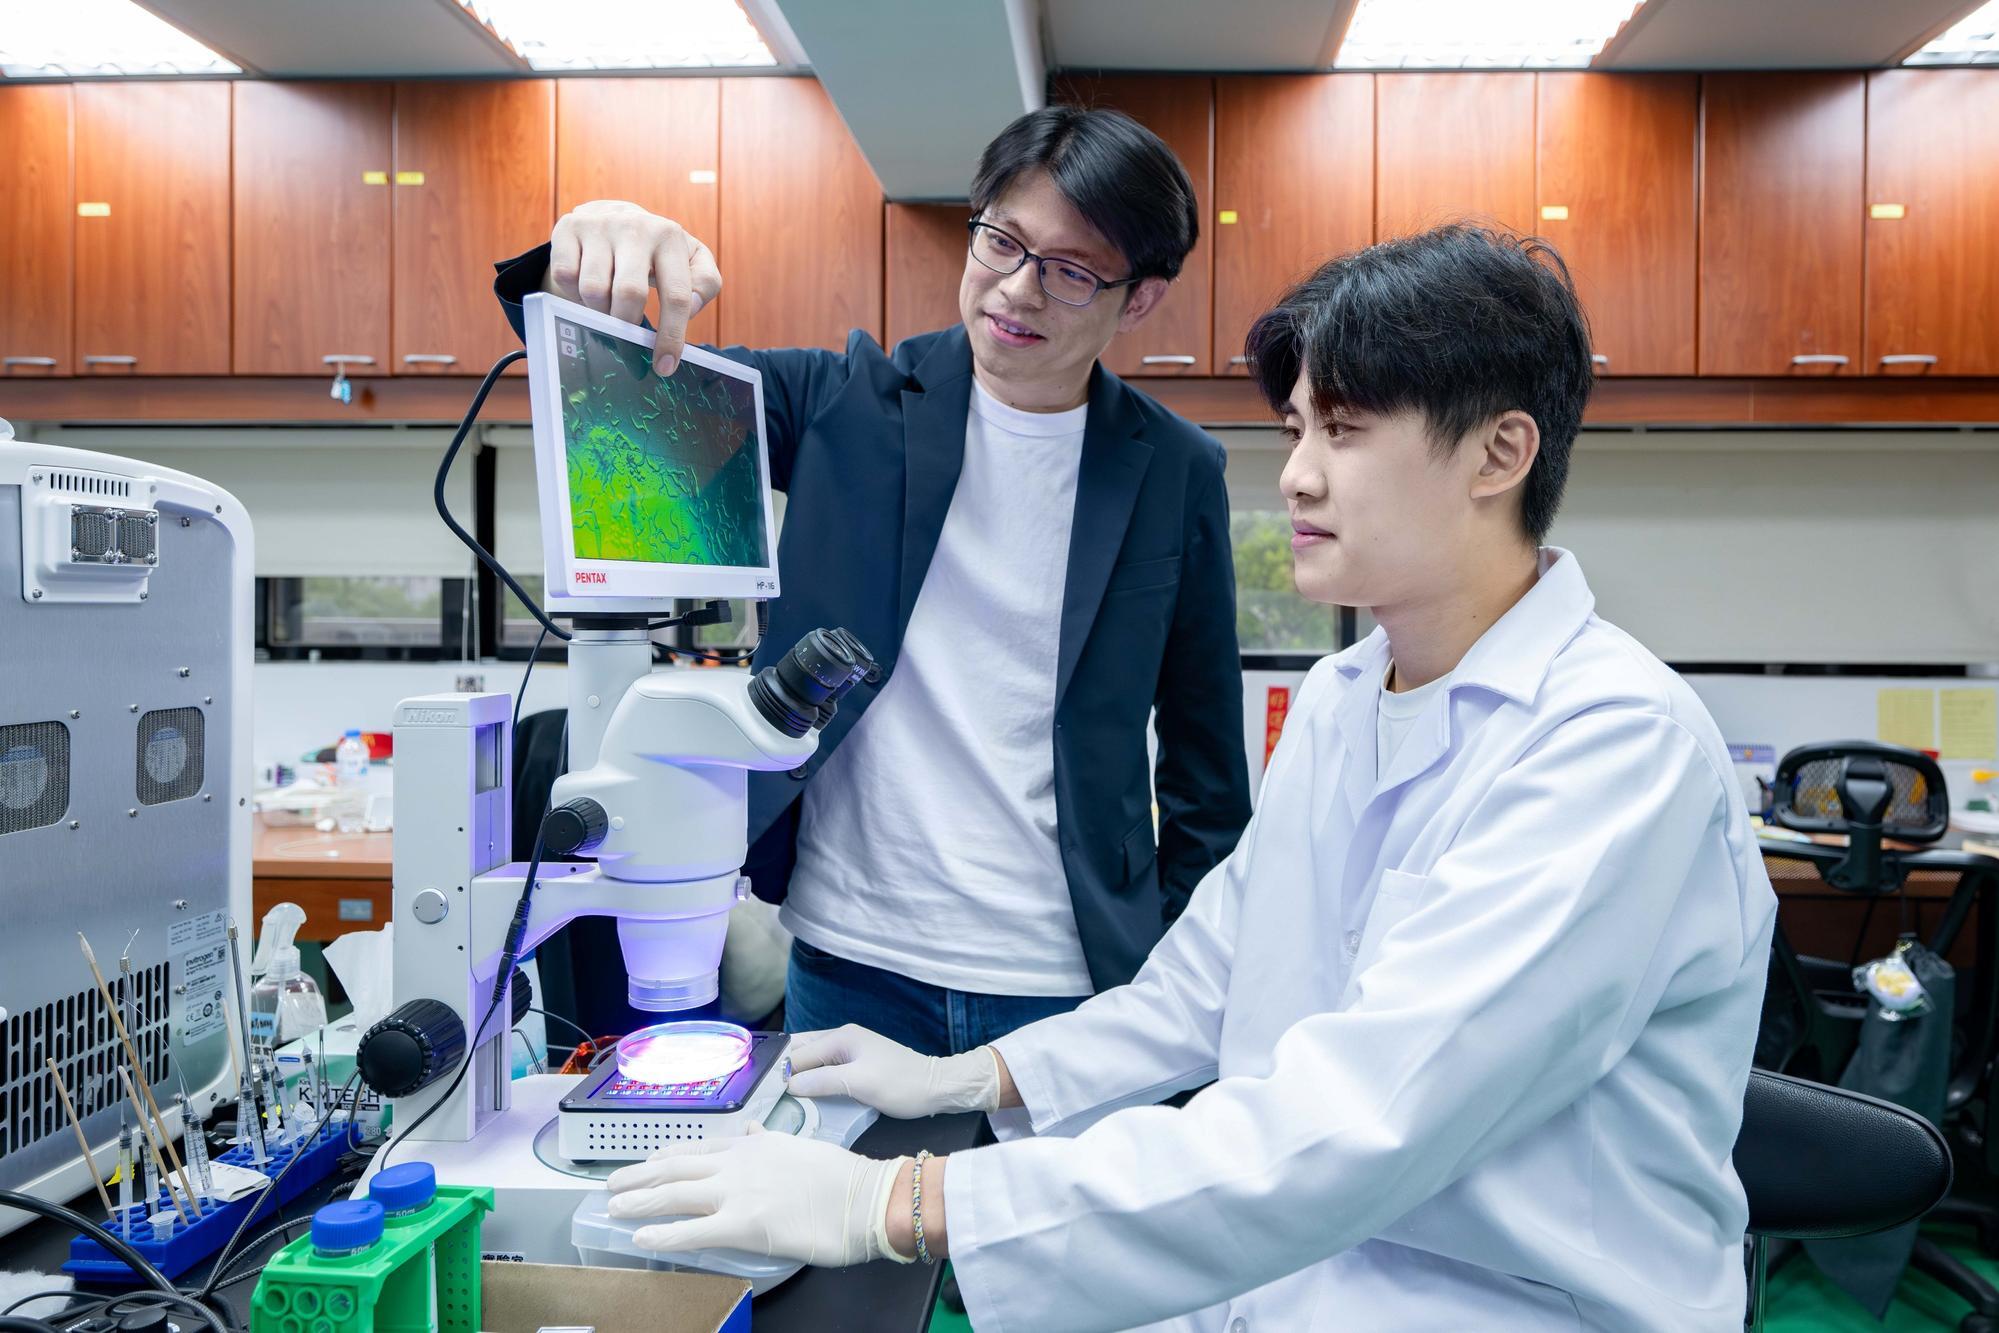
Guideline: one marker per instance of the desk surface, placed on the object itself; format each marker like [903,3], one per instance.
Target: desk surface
[302,852]
[878,1296]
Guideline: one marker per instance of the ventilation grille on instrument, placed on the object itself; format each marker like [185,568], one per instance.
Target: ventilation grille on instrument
[84,483]
[76,1033]
[34,775]
[170,755]
[99,536]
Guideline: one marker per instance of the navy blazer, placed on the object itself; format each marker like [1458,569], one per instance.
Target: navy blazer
[868,447]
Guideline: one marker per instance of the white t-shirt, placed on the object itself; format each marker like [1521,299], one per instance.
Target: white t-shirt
[1396,714]
[927,842]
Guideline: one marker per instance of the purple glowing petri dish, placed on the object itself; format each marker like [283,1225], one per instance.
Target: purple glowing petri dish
[697,1051]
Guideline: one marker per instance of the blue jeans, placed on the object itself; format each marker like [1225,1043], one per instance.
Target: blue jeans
[824,991]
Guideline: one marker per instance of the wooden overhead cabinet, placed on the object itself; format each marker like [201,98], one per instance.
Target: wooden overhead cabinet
[655,142]
[1177,337]
[473,182]
[1614,159]
[1294,186]
[1452,147]
[1782,174]
[37,218]
[152,228]
[801,251]
[1932,222]
[926,245]
[312,191]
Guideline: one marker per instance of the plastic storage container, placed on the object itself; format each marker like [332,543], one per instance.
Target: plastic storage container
[604,1241]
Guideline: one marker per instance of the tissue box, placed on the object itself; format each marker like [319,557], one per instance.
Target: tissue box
[524,1298]
[342,1037]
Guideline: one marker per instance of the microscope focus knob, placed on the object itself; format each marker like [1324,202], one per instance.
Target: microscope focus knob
[574,826]
[412,1048]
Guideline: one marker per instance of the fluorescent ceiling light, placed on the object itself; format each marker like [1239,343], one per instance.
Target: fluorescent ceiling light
[626,34]
[1479,34]
[1973,41]
[73,38]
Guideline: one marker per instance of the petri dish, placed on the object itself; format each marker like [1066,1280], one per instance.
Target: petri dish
[696,1051]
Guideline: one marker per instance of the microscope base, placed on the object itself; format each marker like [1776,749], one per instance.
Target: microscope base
[537,1192]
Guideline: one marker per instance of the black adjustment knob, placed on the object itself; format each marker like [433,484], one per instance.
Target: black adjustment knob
[412,1048]
[522,994]
[574,826]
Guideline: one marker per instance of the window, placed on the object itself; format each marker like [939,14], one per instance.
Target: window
[1270,616]
[386,617]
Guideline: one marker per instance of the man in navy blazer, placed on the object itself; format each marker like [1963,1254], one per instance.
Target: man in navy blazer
[1037,554]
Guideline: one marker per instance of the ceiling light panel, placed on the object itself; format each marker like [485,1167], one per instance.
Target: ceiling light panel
[1480,34]
[626,34]
[1973,41]
[96,38]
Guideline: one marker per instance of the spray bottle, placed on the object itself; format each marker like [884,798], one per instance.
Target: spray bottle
[285,1003]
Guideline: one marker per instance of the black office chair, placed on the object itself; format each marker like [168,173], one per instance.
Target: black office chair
[1870,793]
[1875,794]
[1819,1162]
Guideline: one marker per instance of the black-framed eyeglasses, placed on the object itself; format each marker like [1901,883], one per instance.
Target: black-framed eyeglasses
[1066,281]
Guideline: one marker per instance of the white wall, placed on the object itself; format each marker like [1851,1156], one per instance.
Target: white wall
[1770,546]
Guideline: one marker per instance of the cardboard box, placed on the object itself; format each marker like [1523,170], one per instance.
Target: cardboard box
[524,1298]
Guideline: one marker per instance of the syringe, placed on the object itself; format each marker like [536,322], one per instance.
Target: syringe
[197,1149]
[249,1123]
[124,1169]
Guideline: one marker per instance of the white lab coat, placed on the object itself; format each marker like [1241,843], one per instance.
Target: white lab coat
[1479,1030]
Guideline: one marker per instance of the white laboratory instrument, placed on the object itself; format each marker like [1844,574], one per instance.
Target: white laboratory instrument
[126,636]
[652,489]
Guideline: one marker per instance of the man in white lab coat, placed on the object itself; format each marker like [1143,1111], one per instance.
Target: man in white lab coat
[1476,992]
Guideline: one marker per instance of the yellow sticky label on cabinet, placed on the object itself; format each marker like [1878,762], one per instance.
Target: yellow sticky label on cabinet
[374,178]
[93,210]
[1907,717]
[1226,217]
[1887,212]
[1554,212]
[409,178]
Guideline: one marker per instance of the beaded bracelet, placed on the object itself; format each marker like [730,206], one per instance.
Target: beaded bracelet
[916,1205]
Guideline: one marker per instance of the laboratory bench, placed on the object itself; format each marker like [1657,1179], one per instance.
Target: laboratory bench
[871,1298]
[344,881]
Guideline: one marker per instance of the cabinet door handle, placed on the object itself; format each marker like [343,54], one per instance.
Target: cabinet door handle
[429,359]
[1181,360]
[111,361]
[1818,359]
[28,360]
[1238,360]
[1909,359]
[1598,359]
[346,359]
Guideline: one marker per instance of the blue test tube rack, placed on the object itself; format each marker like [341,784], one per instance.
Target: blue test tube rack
[187,1245]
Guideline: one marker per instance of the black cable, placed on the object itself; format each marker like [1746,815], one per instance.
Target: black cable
[509,953]
[444,508]
[76,1221]
[13,1323]
[270,1191]
[522,692]
[218,1273]
[573,1027]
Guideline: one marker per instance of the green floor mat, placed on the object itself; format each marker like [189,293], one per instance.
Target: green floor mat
[1803,1300]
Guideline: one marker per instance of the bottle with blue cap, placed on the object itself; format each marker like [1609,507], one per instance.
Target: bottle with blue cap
[347,1228]
[405,1193]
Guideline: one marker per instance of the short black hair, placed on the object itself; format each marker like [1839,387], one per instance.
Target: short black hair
[1119,175]
[1460,323]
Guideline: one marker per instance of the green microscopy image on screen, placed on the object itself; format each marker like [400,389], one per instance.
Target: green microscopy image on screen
[661,470]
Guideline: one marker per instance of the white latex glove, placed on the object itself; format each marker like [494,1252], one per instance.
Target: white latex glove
[853,1062]
[773,1194]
